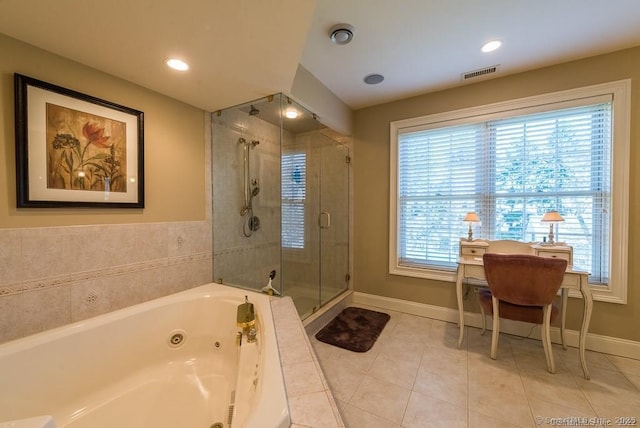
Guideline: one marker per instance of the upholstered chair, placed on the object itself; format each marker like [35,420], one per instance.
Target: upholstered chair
[522,288]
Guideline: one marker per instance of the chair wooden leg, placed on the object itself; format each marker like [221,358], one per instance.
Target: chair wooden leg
[484,320]
[496,327]
[546,339]
[543,336]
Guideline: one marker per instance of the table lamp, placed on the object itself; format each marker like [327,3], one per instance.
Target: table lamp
[551,217]
[471,218]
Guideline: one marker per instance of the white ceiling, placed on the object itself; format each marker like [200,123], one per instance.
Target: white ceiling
[425,45]
[240,50]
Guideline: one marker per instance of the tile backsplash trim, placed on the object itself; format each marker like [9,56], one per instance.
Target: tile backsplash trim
[100,273]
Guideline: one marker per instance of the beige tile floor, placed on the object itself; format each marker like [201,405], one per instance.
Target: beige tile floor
[414,376]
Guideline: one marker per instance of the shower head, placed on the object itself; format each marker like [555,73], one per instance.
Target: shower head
[253,111]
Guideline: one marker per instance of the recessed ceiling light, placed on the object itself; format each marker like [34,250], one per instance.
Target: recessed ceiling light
[177,64]
[491,46]
[373,79]
[341,34]
[291,113]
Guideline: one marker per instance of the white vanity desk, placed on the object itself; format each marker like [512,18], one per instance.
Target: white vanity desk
[470,266]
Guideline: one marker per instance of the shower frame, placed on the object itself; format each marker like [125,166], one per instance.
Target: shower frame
[247,261]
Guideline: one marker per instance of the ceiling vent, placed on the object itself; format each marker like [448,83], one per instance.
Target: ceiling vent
[481,72]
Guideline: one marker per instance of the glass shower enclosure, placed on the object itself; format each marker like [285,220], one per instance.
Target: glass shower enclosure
[280,202]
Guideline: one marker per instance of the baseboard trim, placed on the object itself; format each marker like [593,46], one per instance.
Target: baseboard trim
[595,342]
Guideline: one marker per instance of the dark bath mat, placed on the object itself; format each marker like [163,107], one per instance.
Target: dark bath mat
[355,329]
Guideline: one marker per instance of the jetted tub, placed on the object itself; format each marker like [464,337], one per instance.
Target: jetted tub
[170,362]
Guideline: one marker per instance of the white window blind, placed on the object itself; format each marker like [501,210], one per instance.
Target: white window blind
[510,170]
[293,170]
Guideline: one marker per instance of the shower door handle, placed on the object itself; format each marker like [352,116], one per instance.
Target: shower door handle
[324,224]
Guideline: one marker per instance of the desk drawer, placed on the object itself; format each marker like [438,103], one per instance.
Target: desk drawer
[473,252]
[564,255]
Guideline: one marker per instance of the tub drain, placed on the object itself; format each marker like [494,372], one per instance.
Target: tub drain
[176,338]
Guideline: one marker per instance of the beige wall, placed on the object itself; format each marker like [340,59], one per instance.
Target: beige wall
[311,93]
[58,266]
[174,148]
[371,180]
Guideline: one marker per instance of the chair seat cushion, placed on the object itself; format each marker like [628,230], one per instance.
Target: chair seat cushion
[531,314]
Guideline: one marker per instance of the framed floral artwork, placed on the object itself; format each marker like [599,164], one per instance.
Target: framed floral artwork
[76,150]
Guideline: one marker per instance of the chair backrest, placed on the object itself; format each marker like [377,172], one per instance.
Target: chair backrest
[524,279]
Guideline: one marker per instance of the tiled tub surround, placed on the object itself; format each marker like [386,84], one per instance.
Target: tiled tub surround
[58,275]
[311,403]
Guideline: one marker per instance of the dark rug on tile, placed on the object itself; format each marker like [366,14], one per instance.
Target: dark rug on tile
[355,329]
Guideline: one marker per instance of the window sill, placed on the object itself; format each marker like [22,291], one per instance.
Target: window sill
[442,274]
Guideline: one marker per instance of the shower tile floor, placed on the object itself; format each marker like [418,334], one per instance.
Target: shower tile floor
[415,376]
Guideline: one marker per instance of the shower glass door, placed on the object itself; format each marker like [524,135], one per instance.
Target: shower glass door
[315,220]
[333,219]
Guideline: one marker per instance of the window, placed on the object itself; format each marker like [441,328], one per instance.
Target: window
[293,170]
[512,162]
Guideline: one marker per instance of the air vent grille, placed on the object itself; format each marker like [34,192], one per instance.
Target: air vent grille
[481,72]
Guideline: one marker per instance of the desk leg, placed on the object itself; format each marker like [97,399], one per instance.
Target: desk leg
[460,304]
[563,320]
[586,319]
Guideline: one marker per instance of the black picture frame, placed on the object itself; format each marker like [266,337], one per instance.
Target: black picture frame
[76,150]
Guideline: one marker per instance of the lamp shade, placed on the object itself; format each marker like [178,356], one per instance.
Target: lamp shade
[472,217]
[552,217]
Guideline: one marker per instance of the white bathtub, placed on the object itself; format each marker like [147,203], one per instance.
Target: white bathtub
[120,369]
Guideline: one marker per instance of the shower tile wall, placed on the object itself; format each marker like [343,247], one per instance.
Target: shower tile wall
[57,275]
[241,260]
